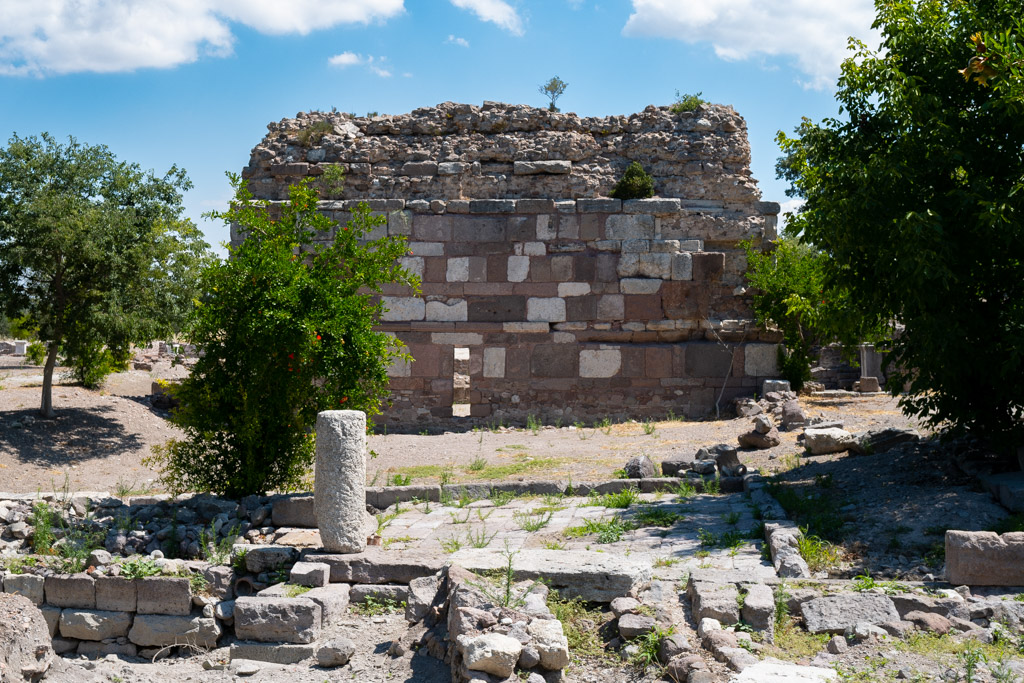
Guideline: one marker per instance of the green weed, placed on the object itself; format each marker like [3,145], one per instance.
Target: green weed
[532,521]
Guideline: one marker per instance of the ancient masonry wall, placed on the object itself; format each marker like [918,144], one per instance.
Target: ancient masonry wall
[573,306]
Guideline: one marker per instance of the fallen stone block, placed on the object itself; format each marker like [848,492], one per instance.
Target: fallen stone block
[163,595]
[551,643]
[634,625]
[775,671]
[376,565]
[275,653]
[295,511]
[882,440]
[161,630]
[424,594]
[363,591]
[836,613]
[591,576]
[947,607]
[676,465]
[266,558]
[94,624]
[75,590]
[491,653]
[759,609]
[335,652]
[984,558]
[286,620]
[830,440]
[715,601]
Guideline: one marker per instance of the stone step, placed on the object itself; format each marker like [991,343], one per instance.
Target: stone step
[592,576]
[376,565]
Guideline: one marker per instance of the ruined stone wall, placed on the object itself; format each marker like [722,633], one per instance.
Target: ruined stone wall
[572,305]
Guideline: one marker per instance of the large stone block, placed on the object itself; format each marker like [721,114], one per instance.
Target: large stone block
[715,601]
[984,558]
[333,600]
[75,590]
[497,309]
[549,310]
[312,574]
[450,311]
[554,360]
[163,595]
[707,360]
[494,362]
[376,565]
[629,227]
[294,511]
[283,620]
[161,630]
[600,362]
[402,308]
[835,613]
[340,485]
[535,167]
[761,360]
[28,585]
[114,594]
[589,575]
[654,205]
[94,624]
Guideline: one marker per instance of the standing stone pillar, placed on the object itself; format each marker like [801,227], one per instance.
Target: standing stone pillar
[339,492]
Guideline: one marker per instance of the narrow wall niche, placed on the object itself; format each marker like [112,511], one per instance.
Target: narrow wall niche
[460,395]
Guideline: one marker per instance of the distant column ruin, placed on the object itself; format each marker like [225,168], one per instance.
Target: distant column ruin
[572,306]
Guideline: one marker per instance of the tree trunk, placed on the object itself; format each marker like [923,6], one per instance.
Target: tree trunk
[46,408]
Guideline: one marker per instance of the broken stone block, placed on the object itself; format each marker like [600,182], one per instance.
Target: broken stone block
[633,625]
[267,558]
[983,558]
[94,624]
[868,385]
[26,650]
[160,630]
[335,652]
[550,641]
[491,653]
[837,645]
[294,511]
[624,605]
[759,608]
[881,440]
[929,621]
[424,594]
[830,440]
[836,613]
[284,620]
[333,600]
[640,467]
[340,484]
[717,601]
[28,585]
[793,415]
[763,424]
[312,574]
[755,439]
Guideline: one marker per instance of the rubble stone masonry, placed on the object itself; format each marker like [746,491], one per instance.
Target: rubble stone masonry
[573,306]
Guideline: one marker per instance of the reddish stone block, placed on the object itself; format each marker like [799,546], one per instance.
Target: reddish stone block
[632,362]
[585,266]
[478,269]
[658,361]
[540,269]
[497,268]
[555,360]
[480,410]
[426,228]
[561,268]
[522,228]
[509,308]
[592,226]
[606,268]
[435,269]
[684,300]
[517,362]
[580,308]
[643,307]
[427,360]
[542,289]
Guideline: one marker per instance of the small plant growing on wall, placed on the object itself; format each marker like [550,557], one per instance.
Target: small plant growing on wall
[686,102]
[635,184]
[314,134]
[552,90]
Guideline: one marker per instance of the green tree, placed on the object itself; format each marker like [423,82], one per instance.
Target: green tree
[285,332]
[916,193]
[635,183]
[94,252]
[552,90]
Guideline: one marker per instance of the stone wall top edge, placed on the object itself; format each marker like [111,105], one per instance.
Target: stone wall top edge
[653,205]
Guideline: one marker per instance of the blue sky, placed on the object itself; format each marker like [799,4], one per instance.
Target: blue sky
[194,82]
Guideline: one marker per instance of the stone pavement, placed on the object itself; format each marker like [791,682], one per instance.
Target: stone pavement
[677,535]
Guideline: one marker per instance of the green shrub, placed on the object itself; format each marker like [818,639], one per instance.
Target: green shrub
[314,134]
[36,353]
[635,184]
[283,337]
[686,102]
[90,361]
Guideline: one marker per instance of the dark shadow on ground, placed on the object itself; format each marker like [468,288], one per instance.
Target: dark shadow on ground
[75,436]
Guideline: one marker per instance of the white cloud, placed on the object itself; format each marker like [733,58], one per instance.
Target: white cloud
[345,59]
[68,36]
[790,206]
[462,42]
[496,11]
[813,33]
[380,71]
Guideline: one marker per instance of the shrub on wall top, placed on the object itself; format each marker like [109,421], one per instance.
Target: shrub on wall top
[635,184]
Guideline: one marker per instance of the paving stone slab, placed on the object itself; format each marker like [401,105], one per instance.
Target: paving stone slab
[717,601]
[592,576]
[376,565]
[774,671]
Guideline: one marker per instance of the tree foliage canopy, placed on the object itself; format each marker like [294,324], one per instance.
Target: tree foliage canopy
[94,252]
[285,332]
[916,193]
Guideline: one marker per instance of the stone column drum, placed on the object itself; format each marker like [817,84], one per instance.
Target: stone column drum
[339,494]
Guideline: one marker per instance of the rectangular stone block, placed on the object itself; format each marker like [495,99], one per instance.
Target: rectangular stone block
[535,206]
[403,308]
[494,362]
[275,653]
[429,228]
[708,266]
[682,266]
[452,167]
[163,595]
[599,205]
[283,620]
[497,308]
[26,585]
[551,310]
[292,510]
[451,311]
[376,565]
[94,624]
[419,168]
[611,307]
[75,590]
[639,286]
[629,227]
[600,362]
[333,600]
[554,361]
[984,558]
[526,328]
[479,229]
[535,167]
[312,574]
[655,266]
[492,206]
[114,594]
[546,228]
[761,360]
[161,630]
[457,338]
[654,206]
[707,360]
[518,268]
[427,248]
[458,269]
